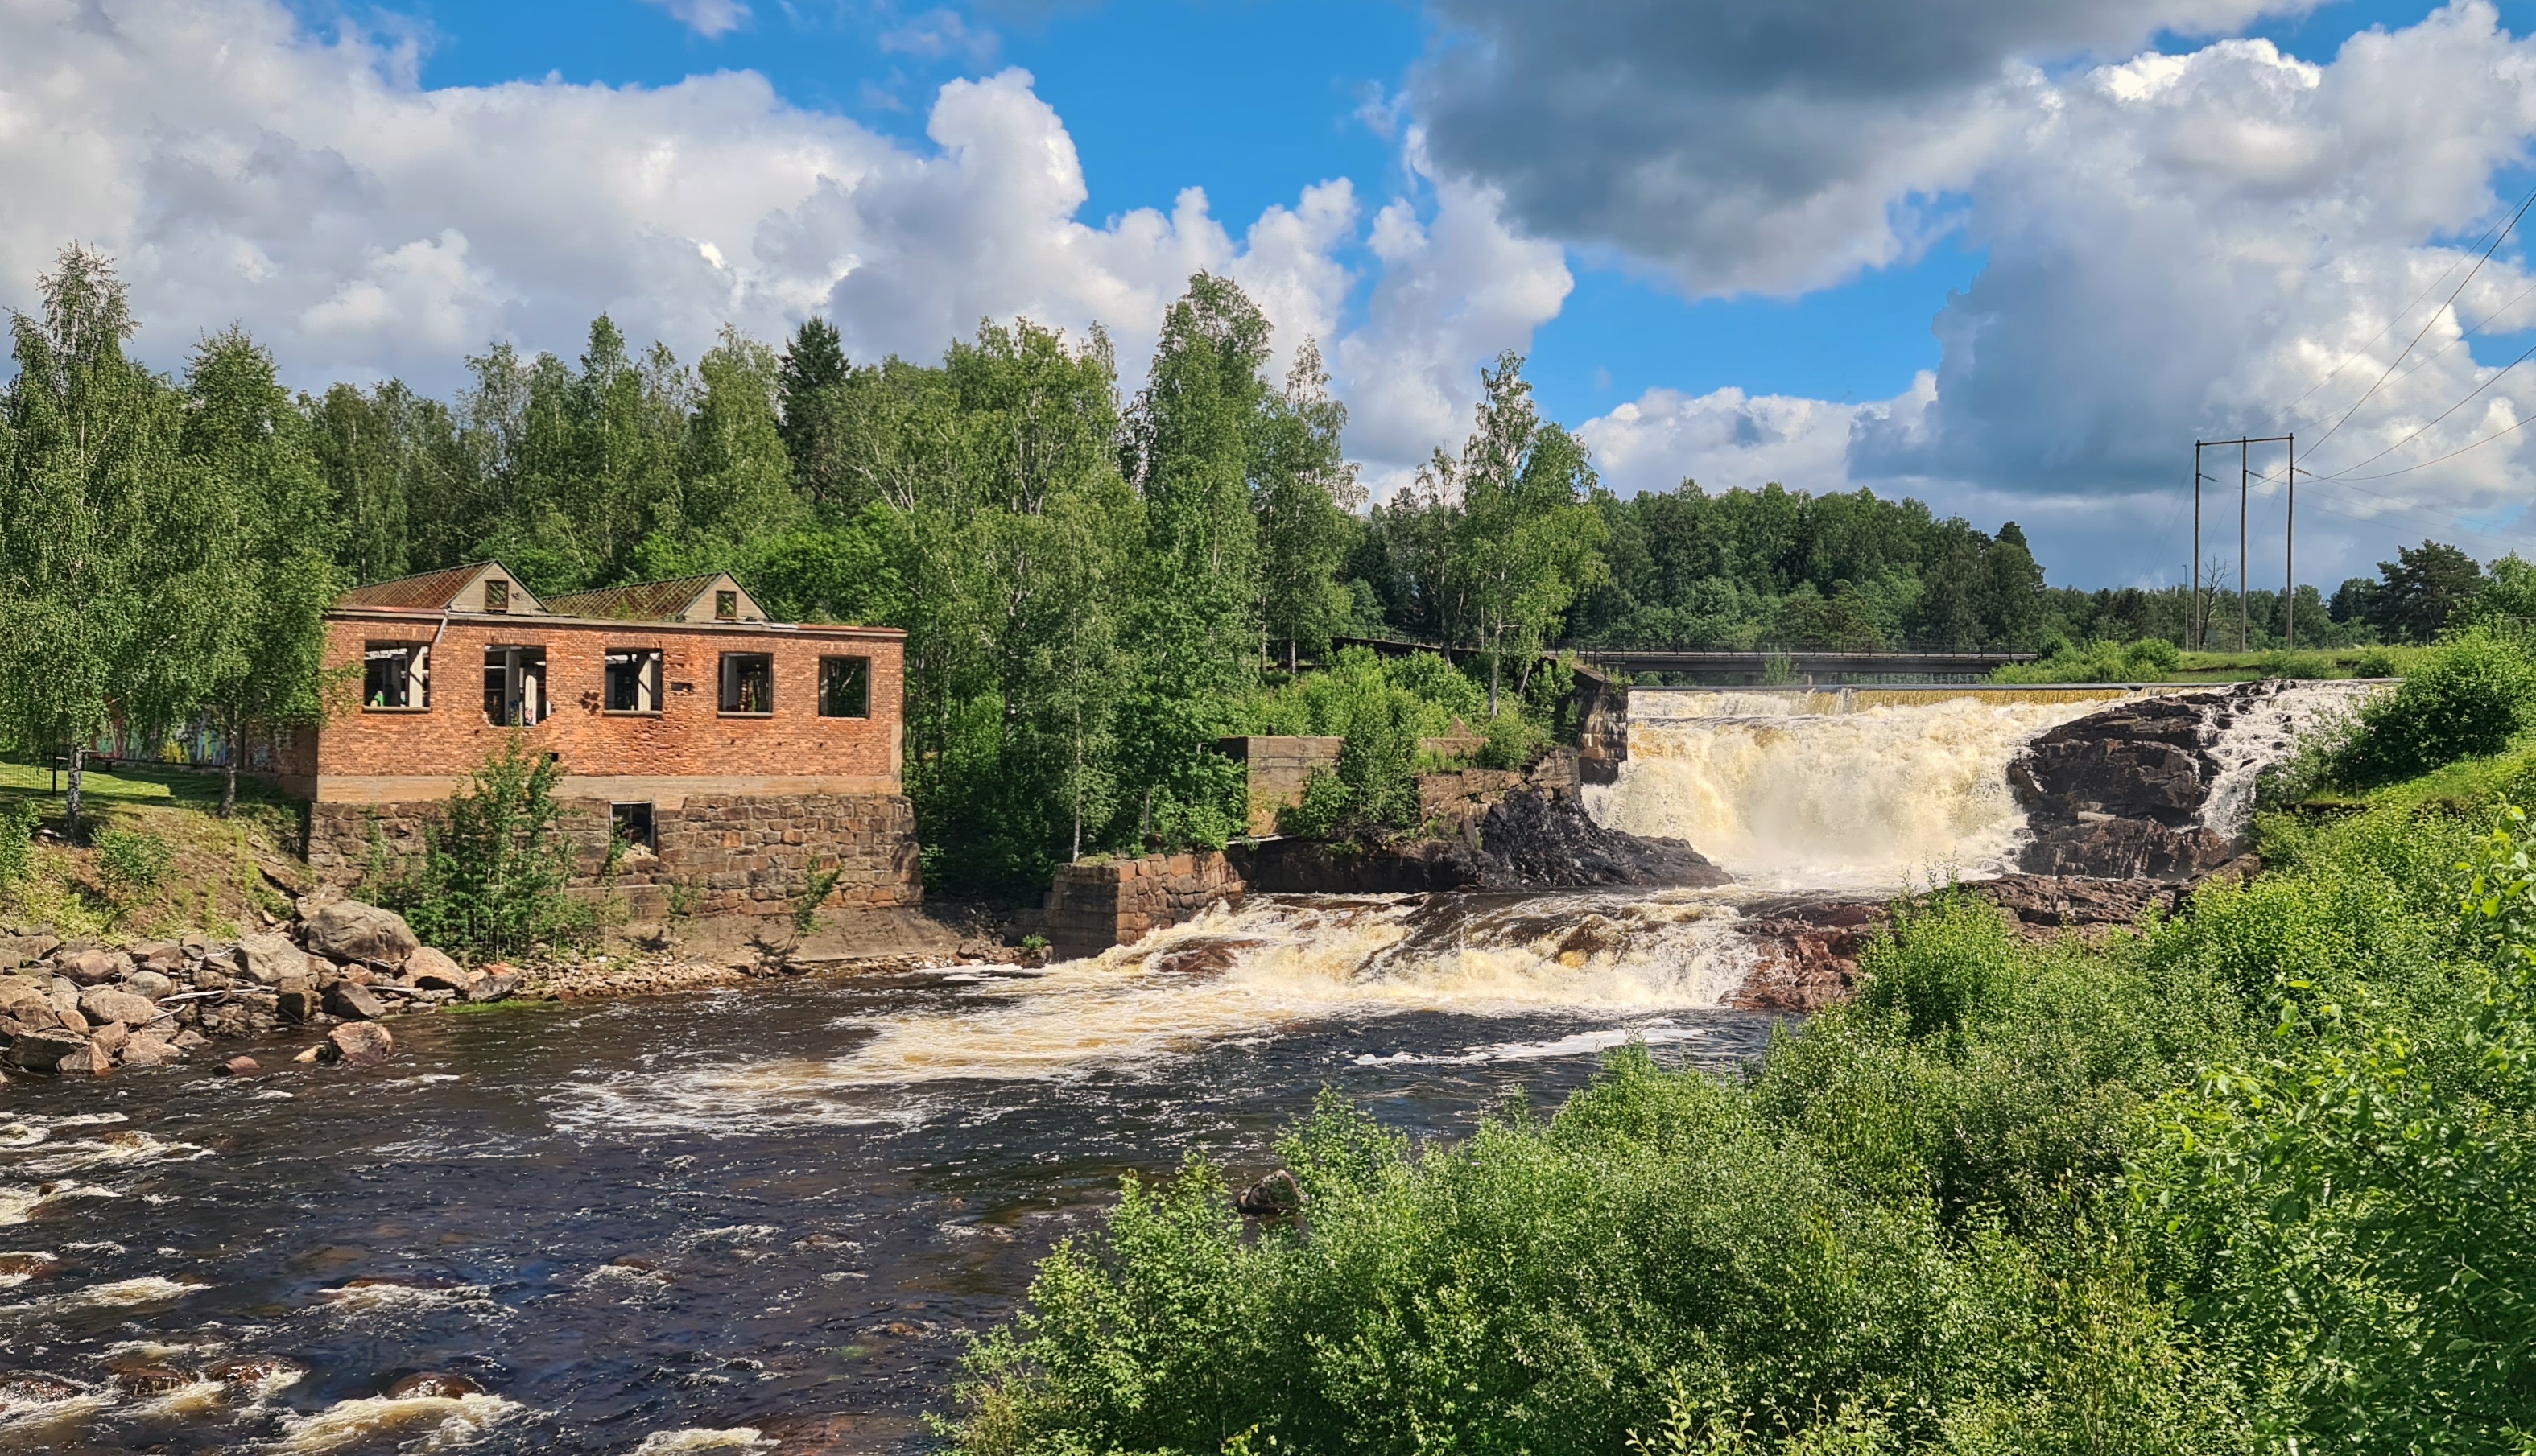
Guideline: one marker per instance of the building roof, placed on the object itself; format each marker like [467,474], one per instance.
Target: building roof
[680,598]
[429,590]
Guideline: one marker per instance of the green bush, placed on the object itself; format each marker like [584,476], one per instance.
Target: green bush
[2471,696]
[16,844]
[2376,662]
[131,862]
[1327,805]
[2149,660]
[1513,743]
[494,872]
[2257,1177]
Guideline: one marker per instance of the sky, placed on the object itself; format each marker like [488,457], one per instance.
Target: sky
[2013,257]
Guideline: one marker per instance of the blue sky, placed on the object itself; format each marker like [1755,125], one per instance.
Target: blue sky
[1252,101]
[1984,254]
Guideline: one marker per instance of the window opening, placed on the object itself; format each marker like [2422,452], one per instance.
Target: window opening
[727,607]
[497,593]
[396,674]
[844,687]
[515,686]
[747,682]
[634,679]
[633,824]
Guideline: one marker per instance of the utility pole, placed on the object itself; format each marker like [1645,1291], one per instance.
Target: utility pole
[2244,478]
[2192,607]
[2289,548]
[2242,448]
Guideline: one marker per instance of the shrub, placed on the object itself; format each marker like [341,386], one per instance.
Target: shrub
[1327,804]
[2474,694]
[131,862]
[2149,660]
[16,844]
[1513,740]
[2378,661]
[494,874]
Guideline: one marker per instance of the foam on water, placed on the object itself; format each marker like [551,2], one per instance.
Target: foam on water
[735,1438]
[440,1422]
[1233,971]
[1868,800]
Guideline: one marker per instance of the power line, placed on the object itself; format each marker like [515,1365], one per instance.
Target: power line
[2383,330]
[2434,318]
[2425,425]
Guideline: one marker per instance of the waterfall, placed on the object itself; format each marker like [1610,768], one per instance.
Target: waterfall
[1854,790]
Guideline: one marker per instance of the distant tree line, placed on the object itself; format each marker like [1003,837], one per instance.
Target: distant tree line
[1094,584]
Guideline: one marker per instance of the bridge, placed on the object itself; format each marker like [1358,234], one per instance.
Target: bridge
[1727,669]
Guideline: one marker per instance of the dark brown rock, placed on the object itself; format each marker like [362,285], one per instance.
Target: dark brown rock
[91,967]
[139,1377]
[350,999]
[255,1370]
[66,1052]
[241,1066]
[358,1044]
[297,1005]
[21,1390]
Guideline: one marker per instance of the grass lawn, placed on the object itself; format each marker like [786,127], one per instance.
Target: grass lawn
[133,783]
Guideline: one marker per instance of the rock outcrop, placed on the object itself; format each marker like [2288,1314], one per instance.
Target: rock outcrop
[2160,788]
[1534,837]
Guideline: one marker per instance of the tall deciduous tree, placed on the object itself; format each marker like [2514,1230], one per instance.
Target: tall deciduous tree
[99,607]
[268,573]
[1523,542]
[1302,492]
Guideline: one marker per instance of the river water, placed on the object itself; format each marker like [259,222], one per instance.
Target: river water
[773,1215]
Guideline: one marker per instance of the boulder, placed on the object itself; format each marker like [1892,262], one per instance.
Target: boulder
[33,948]
[163,956]
[147,1050]
[189,1041]
[65,1052]
[495,986]
[90,965]
[241,1066]
[110,1037]
[311,1054]
[433,970]
[297,1005]
[150,983]
[10,960]
[266,958]
[349,931]
[358,1044]
[26,1000]
[104,1003]
[66,1008]
[354,1001]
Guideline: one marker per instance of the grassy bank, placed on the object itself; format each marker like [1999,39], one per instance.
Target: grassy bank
[160,861]
[2261,1178]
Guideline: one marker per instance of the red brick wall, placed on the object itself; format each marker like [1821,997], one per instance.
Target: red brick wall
[370,754]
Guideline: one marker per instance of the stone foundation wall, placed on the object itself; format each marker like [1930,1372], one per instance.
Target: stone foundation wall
[1093,907]
[719,855]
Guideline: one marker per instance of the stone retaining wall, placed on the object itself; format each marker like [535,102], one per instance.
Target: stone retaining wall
[719,855]
[1095,906]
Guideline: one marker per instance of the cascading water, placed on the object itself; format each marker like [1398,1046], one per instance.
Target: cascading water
[1836,791]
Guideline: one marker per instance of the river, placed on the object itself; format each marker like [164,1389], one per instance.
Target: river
[763,1215]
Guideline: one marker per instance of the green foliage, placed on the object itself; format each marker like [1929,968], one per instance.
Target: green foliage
[494,874]
[131,862]
[1327,807]
[2257,1177]
[2146,660]
[816,886]
[2467,700]
[1513,741]
[2420,592]
[18,819]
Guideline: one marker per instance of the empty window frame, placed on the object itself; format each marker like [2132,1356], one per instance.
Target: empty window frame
[497,595]
[515,686]
[395,676]
[633,679]
[747,682]
[844,687]
[633,828]
[726,607]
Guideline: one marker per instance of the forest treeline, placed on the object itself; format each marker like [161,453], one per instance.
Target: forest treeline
[1097,578]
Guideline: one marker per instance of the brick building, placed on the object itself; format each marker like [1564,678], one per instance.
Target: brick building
[733,755]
